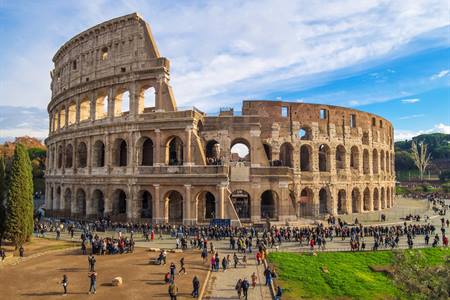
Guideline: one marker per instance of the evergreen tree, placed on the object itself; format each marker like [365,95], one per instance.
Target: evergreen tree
[19,200]
[2,197]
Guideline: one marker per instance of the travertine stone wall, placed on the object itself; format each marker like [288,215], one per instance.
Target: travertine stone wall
[119,146]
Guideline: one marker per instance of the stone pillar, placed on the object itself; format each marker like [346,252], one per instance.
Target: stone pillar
[220,203]
[93,106]
[157,159]
[255,141]
[255,203]
[187,214]
[187,160]
[156,202]
[332,201]
[108,200]
[111,104]
[284,202]
[315,202]
[134,101]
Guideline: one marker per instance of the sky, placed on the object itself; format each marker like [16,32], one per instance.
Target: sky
[391,58]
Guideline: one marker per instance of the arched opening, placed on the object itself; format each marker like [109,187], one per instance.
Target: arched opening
[342,202]
[69,156]
[81,202]
[175,151]
[60,157]
[324,158]
[340,157]
[387,163]
[147,152]
[305,158]
[286,155]
[98,201]
[305,133]
[375,161]
[383,198]
[213,155]
[241,203]
[99,154]
[366,168]
[101,107]
[269,200]
[62,117]
[122,103]
[67,199]
[147,97]
[121,153]
[306,203]
[354,158]
[367,199]
[268,152]
[57,205]
[72,114]
[85,110]
[82,155]
[376,199]
[240,151]
[174,207]
[323,201]
[206,206]
[119,203]
[382,161]
[146,204]
[356,201]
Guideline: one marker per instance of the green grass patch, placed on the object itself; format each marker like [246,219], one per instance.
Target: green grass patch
[349,275]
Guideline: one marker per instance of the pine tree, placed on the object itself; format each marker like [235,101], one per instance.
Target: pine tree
[2,197]
[19,200]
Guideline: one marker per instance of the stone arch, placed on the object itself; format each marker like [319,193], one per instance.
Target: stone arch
[324,198]
[340,157]
[342,202]
[99,154]
[305,133]
[62,117]
[206,206]
[268,151]
[376,199]
[354,158]
[383,198]
[174,153]
[212,151]
[366,200]
[85,109]
[119,206]
[60,156]
[98,202]
[57,201]
[146,204]
[269,204]
[147,99]
[382,165]
[240,150]
[101,106]
[67,199]
[306,202]
[81,202]
[241,203]
[173,203]
[375,161]
[145,148]
[324,158]
[305,158]
[72,114]
[122,102]
[69,156]
[82,155]
[120,153]
[356,200]
[366,167]
[286,155]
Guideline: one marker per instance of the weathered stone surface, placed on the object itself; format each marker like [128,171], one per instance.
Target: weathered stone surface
[117,281]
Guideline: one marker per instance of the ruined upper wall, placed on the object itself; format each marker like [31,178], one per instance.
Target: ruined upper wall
[112,48]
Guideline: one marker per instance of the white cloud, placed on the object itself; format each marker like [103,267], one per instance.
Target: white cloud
[401,135]
[410,101]
[441,74]
[411,117]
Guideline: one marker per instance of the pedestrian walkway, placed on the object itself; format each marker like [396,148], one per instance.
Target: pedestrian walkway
[222,284]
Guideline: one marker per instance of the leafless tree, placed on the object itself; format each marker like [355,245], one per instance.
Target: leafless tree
[421,157]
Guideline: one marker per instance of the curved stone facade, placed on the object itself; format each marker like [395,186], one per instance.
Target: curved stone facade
[119,146]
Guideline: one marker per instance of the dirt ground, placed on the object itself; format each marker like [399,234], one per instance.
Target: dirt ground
[39,277]
[37,245]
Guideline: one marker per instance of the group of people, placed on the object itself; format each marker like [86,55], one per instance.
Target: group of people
[92,275]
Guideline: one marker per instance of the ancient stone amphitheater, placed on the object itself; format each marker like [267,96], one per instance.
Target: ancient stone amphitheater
[118,145]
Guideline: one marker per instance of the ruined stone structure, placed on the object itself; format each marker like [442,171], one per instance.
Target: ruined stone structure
[119,146]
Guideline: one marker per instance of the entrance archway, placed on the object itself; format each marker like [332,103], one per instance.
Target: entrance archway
[269,200]
[306,202]
[367,199]
[119,203]
[323,201]
[206,206]
[98,200]
[241,203]
[146,204]
[342,202]
[356,201]
[174,207]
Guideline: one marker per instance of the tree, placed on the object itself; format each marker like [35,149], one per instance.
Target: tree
[19,200]
[421,157]
[412,273]
[2,197]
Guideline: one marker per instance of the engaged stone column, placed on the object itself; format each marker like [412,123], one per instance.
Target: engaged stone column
[220,203]
[187,219]
[188,150]
[156,203]
[157,160]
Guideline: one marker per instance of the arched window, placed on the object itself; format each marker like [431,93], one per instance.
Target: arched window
[286,155]
[60,157]
[269,201]
[85,110]
[306,202]
[147,99]
[99,154]
[101,106]
[382,160]
[69,156]
[72,114]
[241,203]
[305,158]
[98,201]
[354,158]
[174,207]
[81,202]
[323,201]
[121,153]
[342,202]
[206,206]
[175,151]
[375,161]
[67,199]
[356,201]
[366,168]
[268,152]
[121,103]
[367,199]
[240,151]
[82,155]
[376,199]
[146,205]
[324,158]
[119,203]
[340,157]
[305,133]
[213,155]
[147,152]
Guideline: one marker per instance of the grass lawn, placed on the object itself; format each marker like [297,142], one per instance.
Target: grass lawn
[348,277]
[36,245]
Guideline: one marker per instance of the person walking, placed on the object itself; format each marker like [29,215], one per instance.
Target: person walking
[238,288]
[195,286]
[92,261]
[279,293]
[182,268]
[173,290]
[21,251]
[173,270]
[268,275]
[254,278]
[93,283]
[245,286]
[64,283]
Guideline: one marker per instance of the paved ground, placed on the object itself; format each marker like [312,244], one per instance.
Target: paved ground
[38,278]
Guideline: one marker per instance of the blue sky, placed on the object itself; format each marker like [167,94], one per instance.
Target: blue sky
[387,57]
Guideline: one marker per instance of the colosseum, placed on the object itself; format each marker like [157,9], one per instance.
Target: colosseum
[118,145]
